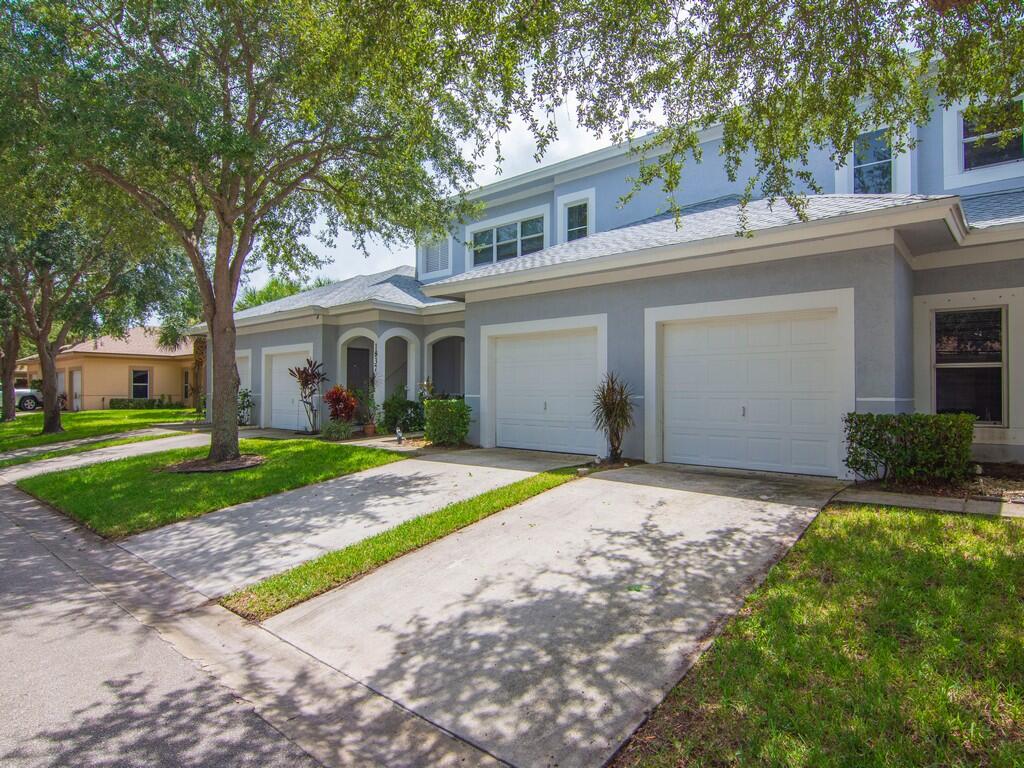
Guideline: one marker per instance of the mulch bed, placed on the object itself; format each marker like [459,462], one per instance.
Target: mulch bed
[996,481]
[245,461]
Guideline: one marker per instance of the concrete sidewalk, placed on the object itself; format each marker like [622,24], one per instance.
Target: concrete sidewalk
[222,551]
[545,634]
[35,450]
[86,684]
[45,466]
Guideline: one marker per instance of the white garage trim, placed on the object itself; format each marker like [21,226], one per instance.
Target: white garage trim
[266,353]
[489,334]
[841,300]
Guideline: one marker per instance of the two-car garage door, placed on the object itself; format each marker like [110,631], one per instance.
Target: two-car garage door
[752,392]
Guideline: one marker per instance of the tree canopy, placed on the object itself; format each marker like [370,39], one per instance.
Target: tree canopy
[277,287]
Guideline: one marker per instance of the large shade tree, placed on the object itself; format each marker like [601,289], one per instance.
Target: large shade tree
[779,78]
[238,124]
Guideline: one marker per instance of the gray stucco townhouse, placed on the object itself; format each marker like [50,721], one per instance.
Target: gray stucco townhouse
[902,291]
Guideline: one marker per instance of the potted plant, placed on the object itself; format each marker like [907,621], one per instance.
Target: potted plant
[613,412]
[370,411]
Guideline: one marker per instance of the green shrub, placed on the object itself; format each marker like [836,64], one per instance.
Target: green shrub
[140,403]
[336,430]
[446,422]
[910,447]
[398,410]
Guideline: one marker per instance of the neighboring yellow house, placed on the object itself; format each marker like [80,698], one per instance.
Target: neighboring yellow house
[93,372]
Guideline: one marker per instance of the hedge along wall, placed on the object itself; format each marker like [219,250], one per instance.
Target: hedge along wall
[910,447]
[446,422]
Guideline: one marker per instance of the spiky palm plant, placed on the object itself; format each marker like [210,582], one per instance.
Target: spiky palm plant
[613,412]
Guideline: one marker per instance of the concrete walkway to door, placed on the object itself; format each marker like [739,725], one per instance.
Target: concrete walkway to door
[543,635]
[222,551]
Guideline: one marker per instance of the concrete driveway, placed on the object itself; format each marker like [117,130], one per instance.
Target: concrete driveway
[222,551]
[545,634]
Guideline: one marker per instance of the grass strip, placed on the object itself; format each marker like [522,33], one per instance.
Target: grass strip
[126,496]
[55,454]
[278,593]
[885,637]
[26,430]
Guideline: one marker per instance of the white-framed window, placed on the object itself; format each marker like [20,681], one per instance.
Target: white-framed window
[436,258]
[494,240]
[576,215]
[969,363]
[975,155]
[140,383]
[872,164]
[981,147]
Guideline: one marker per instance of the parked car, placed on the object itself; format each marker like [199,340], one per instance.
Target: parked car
[27,399]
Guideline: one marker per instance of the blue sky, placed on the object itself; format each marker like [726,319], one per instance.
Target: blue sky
[345,260]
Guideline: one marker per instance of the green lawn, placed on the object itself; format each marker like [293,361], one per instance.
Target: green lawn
[886,637]
[91,446]
[280,592]
[118,498]
[24,431]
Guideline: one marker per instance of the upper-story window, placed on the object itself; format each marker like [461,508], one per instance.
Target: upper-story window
[982,147]
[506,241]
[576,223]
[436,256]
[872,164]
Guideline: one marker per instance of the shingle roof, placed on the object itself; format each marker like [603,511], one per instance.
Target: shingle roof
[698,222]
[994,209]
[140,341]
[395,286]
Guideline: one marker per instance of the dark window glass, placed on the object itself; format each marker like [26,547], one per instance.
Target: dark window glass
[483,247]
[970,390]
[984,145]
[577,221]
[872,164]
[972,336]
[508,250]
[508,232]
[533,226]
[532,244]
[140,384]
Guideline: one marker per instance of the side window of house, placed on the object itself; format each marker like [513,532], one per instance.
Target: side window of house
[969,360]
[140,384]
[984,146]
[436,256]
[508,241]
[872,164]
[576,223]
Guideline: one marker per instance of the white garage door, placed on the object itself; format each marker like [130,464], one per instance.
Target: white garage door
[544,390]
[754,393]
[286,411]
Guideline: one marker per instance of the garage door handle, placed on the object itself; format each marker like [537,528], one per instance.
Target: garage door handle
[545,405]
[743,411]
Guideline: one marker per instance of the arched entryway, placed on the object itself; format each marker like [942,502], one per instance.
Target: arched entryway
[444,360]
[357,353]
[397,363]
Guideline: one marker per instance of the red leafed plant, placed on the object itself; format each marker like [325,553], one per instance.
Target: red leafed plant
[341,402]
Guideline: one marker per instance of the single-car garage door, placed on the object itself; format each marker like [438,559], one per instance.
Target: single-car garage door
[286,411]
[753,392]
[544,389]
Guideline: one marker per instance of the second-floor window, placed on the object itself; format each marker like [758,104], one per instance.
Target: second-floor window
[508,241]
[576,224]
[436,256]
[983,147]
[872,164]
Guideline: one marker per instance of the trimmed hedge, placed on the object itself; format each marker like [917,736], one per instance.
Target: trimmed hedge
[910,447]
[446,422]
[140,403]
[336,430]
[397,410]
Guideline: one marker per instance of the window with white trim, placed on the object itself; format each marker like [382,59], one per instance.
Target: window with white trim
[969,363]
[872,164]
[140,383]
[577,220]
[506,241]
[985,146]
[436,256]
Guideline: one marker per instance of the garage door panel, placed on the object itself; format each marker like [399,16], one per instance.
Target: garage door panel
[543,391]
[286,411]
[768,399]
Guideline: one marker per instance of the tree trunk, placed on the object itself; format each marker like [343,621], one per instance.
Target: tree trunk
[51,400]
[223,401]
[12,341]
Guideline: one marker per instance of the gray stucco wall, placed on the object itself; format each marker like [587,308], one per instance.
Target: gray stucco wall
[881,286]
[973,277]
